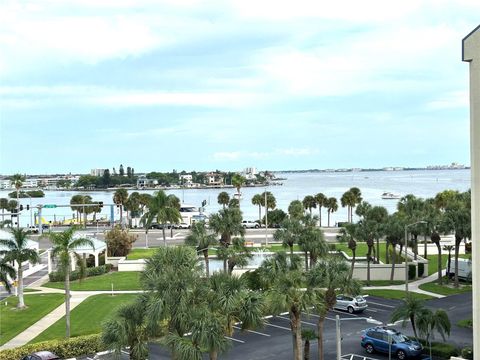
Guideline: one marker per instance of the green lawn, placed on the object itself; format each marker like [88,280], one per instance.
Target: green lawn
[362,250]
[87,317]
[466,323]
[139,253]
[383,282]
[127,280]
[13,321]
[445,289]
[394,294]
[433,262]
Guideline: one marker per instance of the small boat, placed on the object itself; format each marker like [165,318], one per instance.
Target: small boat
[390,196]
[237,196]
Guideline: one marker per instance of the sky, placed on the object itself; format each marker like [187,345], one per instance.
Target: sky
[205,85]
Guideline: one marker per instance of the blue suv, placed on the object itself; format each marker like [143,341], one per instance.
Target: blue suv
[377,339]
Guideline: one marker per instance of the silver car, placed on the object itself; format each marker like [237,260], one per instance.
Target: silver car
[351,303]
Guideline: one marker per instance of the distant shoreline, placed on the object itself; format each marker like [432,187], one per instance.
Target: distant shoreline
[367,170]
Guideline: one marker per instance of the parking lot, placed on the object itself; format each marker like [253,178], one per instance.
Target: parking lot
[274,340]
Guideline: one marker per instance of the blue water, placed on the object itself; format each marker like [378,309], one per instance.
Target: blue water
[421,183]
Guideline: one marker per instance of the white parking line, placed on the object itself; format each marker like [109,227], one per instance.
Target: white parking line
[389,306]
[303,322]
[343,312]
[278,326]
[240,341]
[251,331]
[328,318]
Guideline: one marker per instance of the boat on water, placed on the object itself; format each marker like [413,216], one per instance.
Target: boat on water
[390,196]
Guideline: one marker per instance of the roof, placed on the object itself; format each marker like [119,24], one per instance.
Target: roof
[98,245]
[8,236]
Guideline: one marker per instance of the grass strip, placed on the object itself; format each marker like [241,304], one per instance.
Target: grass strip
[126,280]
[395,294]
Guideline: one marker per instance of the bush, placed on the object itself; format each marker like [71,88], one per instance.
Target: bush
[442,350]
[412,271]
[421,269]
[73,347]
[57,276]
[467,353]
[119,242]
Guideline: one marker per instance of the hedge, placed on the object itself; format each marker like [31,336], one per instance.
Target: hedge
[65,349]
[412,271]
[442,350]
[57,276]
[421,269]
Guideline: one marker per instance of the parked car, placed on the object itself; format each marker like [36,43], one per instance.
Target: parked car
[351,303]
[33,229]
[41,355]
[155,225]
[181,226]
[383,339]
[247,224]
[464,269]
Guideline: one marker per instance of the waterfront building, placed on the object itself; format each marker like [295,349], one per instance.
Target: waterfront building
[143,182]
[97,172]
[186,179]
[214,179]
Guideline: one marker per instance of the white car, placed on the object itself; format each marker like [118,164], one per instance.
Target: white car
[351,303]
[247,224]
[182,226]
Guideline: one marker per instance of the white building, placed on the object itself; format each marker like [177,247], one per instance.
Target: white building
[144,182]
[97,172]
[186,179]
[6,184]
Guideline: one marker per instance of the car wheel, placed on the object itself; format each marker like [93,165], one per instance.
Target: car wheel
[401,355]
[256,226]
[369,349]
[350,310]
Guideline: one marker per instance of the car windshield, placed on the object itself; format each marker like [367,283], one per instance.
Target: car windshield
[400,338]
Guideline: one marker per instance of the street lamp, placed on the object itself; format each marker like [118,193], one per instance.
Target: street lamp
[339,336]
[266,219]
[406,257]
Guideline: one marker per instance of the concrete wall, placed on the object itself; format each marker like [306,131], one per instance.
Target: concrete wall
[131,265]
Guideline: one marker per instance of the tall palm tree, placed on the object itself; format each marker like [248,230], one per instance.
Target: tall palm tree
[285,293]
[449,248]
[202,240]
[74,205]
[320,200]
[295,210]
[257,200]
[347,200]
[332,206]
[238,181]
[16,249]
[174,217]
[356,200]
[64,244]
[127,328]
[428,322]
[329,277]
[312,241]
[7,272]
[410,309]
[394,230]
[17,180]
[120,197]
[435,237]
[307,336]
[227,223]
[133,205]
[309,203]
[223,199]
[347,235]
[413,209]
[3,206]
[236,254]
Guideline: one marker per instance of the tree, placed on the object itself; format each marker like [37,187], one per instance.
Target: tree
[120,198]
[328,277]
[128,328]
[413,210]
[16,249]
[394,231]
[223,199]
[309,203]
[121,172]
[173,217]
[7,272]
[308,335]
[435,237]
[132,205]
[275,217]
[257,200]
[357,199]
[3,206]
[238,181]
[285,292]
[347,200]
[320,199]
[347,235]
[332,206]
[410,309]
[295,209]
[449,248]
[428,322]
[236,254]
[64,245]
[202,240]
[289,233]
[119,241]
[106,179]
[227,223]
[17,180]
[312,241]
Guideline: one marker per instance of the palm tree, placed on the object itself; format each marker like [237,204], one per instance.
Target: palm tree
[428,322]
[236,254]
[227,223]
[356,200]
[332,206]
[74,202]
[312,241]
[410,309]
[64,245]
[309,202]
[16,249]
[3,206]
[202,240]
[174,217]
[285,292]
[17,180]
[394,230]
[120,197]
[133,205]
[435,237]
[412,209]
[223,199]
[128,329]
[238,181]
[347,235]
[329,277]
[320,200]
[347,200]
[7,272]
[288,233]
[449,248]
[268,202]
[258,200]
[308,335]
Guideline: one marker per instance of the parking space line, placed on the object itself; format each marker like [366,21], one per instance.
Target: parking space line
[389,306]
[240,341]
[251,331]
[303,322]
[343,312]
[328,318]
[278,326]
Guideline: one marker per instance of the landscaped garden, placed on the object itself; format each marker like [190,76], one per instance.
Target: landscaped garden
[128,280]
[14,321]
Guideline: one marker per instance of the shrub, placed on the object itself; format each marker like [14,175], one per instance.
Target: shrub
[412,271]
[57,276]
[67,348]
[467,353]
[442,350]
[421,269]
[119,242]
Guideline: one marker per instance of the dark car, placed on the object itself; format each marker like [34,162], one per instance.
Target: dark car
[41,355]
[385,340]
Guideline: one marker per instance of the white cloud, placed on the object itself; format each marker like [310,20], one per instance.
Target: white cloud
[457,99]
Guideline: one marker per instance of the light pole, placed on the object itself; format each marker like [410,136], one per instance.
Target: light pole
[339,335]
[406,257]
[266,219]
